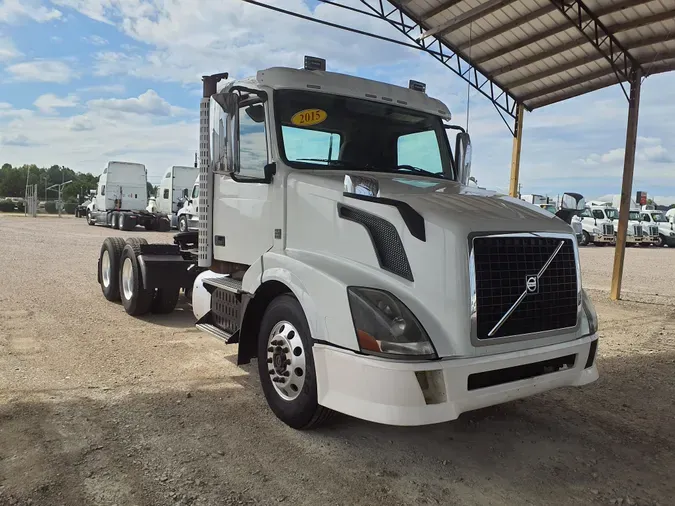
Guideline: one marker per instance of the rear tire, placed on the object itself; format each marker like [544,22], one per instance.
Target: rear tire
[165,300]
[109,267]
[285,324]
[136,241]
[135,299]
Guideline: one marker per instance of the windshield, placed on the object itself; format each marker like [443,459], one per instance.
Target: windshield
[320,131]
[634,215]
[549,207]
[658,217]
[612,214]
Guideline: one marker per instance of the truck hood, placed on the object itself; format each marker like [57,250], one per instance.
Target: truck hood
[446,204]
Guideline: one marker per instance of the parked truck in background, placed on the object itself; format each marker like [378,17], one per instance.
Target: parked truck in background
[665,229]
[188,214]
[174,191]
[598,224]
[340,245]
[122,197]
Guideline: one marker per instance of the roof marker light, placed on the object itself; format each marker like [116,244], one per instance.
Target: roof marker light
[417,86]
[314,63]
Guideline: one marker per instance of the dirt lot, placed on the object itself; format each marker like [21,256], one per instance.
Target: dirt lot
[98,408]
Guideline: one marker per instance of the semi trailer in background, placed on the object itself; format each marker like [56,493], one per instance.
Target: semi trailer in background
[121,199]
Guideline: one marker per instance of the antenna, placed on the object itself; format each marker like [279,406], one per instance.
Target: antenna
[468,86]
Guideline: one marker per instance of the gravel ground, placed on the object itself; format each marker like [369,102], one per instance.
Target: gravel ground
[98,408]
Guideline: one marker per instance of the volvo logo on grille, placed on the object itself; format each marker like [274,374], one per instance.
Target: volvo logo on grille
[532,284]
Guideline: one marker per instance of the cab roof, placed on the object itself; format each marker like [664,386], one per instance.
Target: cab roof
[279,78]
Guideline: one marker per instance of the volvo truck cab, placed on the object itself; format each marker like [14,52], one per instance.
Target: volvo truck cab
[341,247]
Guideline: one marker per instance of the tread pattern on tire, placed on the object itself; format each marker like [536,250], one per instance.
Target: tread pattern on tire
[144,297]
[115,246]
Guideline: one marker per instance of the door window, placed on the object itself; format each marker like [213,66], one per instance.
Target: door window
[195,191]
[597,213]
[102,190]
[252,140]
[166,193]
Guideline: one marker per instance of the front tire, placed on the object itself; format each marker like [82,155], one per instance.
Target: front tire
[109,267]
[660,242]
[585,238]
[286,365]
[135,299]
[183,223]
[91,221]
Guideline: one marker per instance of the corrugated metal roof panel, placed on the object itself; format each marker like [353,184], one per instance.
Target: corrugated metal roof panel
[531,49]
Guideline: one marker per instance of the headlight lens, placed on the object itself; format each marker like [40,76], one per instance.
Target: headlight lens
[589,310]
[385,326]
[596,230]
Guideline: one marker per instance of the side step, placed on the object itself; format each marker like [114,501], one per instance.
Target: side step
[215,332]
[224,283]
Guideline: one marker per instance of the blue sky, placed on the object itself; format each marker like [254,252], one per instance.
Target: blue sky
[86,81]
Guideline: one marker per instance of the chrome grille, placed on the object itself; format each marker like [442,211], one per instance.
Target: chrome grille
[502,266]
[654,231]
[608,229]
[637,230]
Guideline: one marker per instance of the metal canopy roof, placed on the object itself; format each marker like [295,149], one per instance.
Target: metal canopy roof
[545,51]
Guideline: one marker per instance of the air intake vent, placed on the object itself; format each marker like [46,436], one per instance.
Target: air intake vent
[388,246]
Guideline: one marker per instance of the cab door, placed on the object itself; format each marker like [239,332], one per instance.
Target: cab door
[243,204]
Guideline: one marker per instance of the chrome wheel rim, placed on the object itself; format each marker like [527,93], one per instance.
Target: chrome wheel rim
[106,269]
[286,362]
[182,225]
[127,279]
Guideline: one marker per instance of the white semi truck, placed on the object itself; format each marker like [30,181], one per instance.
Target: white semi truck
[665,229]
[174,191]
[340,245]
[122,197]
[597,223]
[188,215]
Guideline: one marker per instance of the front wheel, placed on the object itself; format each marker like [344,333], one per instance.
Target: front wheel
[183,223]
[659,242]
[585,238]
[286,365]
[90,220]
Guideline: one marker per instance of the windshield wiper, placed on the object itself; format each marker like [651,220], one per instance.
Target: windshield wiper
[342,163]
[417,170]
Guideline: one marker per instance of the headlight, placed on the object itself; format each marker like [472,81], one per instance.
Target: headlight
[589,310]
[672,234]
[385,326]
[596,230]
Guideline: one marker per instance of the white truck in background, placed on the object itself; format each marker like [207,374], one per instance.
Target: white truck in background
[340,246]
[188,216]
[598,224]
[174,191]
[665,228]
[122,197]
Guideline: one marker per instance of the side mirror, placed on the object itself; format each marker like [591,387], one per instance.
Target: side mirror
[189,201]
[463,157]
[571,204]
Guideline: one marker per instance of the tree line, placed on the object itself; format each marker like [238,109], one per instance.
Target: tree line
[13,182]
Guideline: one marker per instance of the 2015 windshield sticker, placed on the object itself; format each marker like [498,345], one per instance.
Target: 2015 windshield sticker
[309,117]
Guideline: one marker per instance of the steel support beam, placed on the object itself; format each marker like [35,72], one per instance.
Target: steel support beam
[515,156]
[627,184]
[468,17]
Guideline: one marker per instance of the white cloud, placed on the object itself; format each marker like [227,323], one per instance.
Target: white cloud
[114,89]
[17,140]
[149,103]
[95,40]
[8,50]
[47,71]
[12,11]
[49,103]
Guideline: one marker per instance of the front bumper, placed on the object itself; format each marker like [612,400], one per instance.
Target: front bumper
[604,238]
[632,239]
[391,392]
